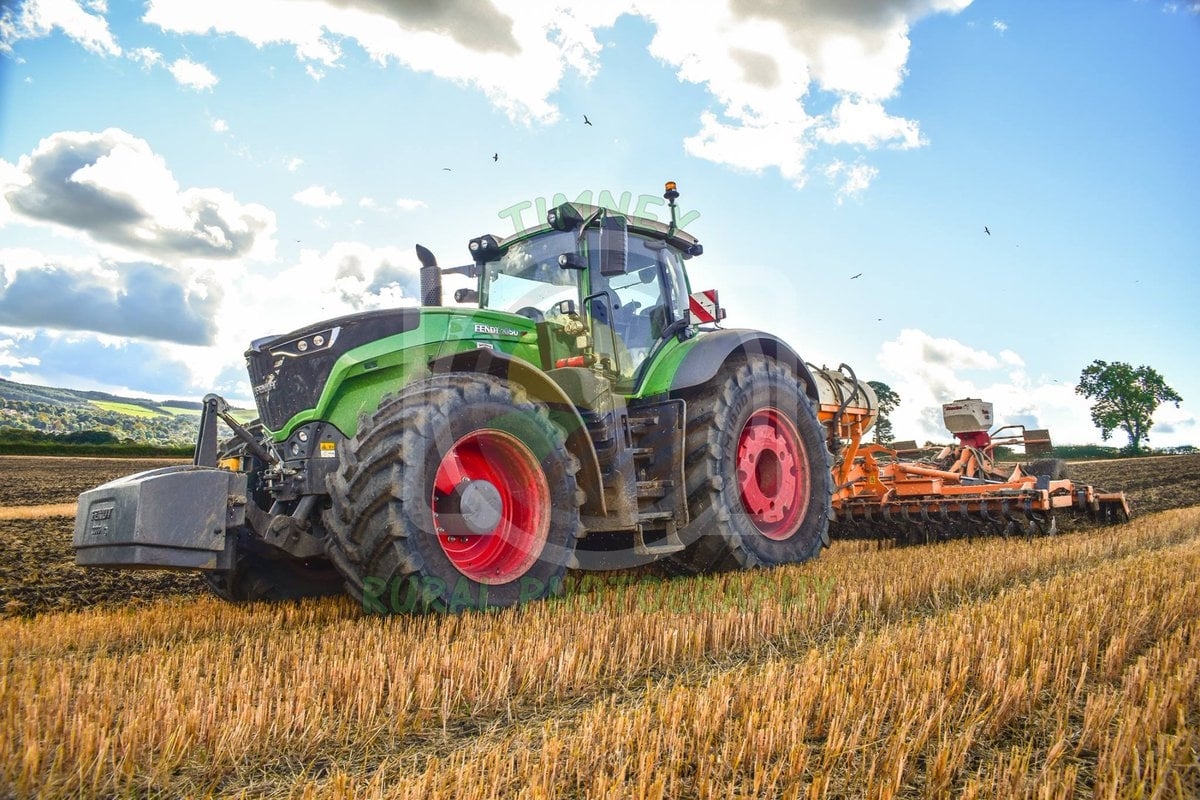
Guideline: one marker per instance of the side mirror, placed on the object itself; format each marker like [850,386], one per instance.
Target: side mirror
[466,296]
[614,245]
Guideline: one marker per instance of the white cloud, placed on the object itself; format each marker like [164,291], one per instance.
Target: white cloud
[113,187]
[219,126]
[514,52]
[927,371]
[39,18]
[865,123]
[851,180]
[146,56]
[192,75]
[293,164]
[1000,26]
[317,197]
[131,299]
[760,60]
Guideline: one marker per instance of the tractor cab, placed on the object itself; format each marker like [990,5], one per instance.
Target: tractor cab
[603,290]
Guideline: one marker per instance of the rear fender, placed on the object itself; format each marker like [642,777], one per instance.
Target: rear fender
[712,349]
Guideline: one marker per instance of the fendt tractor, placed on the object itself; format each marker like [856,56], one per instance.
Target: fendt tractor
[579,408]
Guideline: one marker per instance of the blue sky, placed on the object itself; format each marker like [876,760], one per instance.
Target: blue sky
[178,178]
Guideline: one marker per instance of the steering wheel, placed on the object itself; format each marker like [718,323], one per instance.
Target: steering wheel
[531,312]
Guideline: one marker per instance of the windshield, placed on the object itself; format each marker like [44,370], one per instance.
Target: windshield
[528,277]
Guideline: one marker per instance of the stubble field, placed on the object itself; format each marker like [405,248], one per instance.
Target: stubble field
[1062,667]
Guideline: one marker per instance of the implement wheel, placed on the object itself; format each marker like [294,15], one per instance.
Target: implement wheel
[255,575]
[459,493]
[757,472]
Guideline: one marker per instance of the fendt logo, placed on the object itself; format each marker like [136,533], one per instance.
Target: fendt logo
[495,330]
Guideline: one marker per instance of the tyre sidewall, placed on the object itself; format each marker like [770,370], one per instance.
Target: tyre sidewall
[772,387]
[419,576]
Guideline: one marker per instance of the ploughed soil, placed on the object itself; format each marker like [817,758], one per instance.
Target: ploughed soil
[37,493]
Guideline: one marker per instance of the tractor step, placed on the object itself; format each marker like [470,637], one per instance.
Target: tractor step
[668,544]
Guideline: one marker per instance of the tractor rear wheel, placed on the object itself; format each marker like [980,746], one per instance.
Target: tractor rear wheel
[458,493]
[255,575]
[757,472]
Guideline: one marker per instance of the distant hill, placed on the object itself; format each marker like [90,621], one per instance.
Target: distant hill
[25,392]
[48,412]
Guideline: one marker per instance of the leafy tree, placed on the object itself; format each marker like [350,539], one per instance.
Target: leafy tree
[1125,398]
[888,401]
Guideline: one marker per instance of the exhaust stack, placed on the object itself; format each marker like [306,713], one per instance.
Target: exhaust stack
[431,278]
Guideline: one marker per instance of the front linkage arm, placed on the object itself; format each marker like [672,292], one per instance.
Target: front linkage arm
[215,407]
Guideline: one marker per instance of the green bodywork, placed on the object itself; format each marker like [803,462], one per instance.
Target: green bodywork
[360,378]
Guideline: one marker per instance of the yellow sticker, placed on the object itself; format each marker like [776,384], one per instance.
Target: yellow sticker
[328,450]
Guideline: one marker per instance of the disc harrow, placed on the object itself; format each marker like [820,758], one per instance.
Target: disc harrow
[915,495]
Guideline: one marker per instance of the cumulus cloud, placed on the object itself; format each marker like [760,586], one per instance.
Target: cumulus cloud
[317,197]
[852,180]
[138,300]
[113,187]
[768,66]
[927,371]
[146,56]
[366,277]
[97,362]
[39,18]
[192,75]
[514,52]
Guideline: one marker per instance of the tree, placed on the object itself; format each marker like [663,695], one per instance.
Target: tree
[888,401]
[1125,398]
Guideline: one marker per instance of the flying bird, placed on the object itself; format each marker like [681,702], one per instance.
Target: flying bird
[586,121]
[985,230]
[495,156]
[446,169]
[859,275]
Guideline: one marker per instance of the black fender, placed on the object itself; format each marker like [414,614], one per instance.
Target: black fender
[713,348]
[541,388]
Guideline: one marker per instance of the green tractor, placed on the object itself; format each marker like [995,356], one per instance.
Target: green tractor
[577,409]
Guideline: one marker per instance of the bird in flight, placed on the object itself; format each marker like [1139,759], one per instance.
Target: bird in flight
[495,156]
[586,121]
[446,169]
[859,275]
[985,230]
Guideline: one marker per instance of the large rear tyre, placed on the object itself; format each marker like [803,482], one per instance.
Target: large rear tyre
[255,575]
[757,472]
[459,493]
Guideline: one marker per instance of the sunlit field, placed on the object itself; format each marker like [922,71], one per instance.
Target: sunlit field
[1063,667]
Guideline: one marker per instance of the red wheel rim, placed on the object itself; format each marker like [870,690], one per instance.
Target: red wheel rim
[517,500]
[772,473]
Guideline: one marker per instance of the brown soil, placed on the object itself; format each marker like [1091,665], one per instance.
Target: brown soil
[37,563]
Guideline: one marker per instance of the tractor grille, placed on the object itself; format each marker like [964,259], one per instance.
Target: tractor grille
[289,372]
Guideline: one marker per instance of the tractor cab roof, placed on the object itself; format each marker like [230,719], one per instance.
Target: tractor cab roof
[581,213]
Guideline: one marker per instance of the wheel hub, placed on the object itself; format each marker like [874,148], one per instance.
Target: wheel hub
[491,506]
[472,507]
[771,472]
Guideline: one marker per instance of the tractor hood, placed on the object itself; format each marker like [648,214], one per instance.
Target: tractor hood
[289,371]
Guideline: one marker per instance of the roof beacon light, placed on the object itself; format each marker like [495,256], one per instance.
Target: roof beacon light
[670,194]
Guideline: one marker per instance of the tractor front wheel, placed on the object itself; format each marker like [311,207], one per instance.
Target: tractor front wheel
[459,493]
